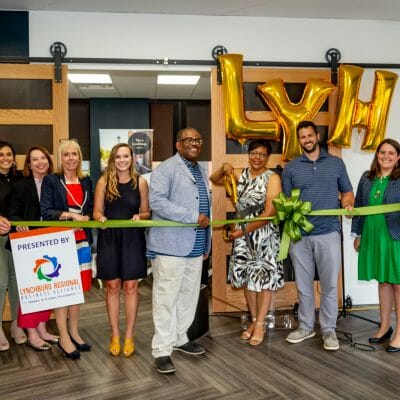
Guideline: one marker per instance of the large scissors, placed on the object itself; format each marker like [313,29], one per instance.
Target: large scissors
[230,184]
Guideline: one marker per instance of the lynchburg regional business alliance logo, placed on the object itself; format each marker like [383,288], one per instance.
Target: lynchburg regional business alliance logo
[47,268]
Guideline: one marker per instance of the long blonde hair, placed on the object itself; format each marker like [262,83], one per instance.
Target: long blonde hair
[111,176]
[64,145]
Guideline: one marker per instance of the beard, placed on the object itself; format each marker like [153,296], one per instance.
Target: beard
[312,149]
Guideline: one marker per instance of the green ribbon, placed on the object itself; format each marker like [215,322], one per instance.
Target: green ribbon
[127,223]
[293,212]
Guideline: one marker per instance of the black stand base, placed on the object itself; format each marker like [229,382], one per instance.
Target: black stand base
[346,311]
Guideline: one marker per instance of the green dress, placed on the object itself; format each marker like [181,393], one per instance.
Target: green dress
[379,254]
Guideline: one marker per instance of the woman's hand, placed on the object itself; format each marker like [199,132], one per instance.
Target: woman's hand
[236,234]
[5,226]
[79,217]
[22,228]
[136,217]
[227,169]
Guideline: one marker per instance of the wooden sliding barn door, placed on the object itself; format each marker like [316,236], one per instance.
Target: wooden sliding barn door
[224,298]
[33,110]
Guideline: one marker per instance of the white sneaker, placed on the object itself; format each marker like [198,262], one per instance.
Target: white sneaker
[330,340]
[299,335]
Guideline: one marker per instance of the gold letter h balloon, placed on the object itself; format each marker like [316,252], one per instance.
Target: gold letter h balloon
[351,112]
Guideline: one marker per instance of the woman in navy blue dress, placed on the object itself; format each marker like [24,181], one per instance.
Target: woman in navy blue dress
[121,194]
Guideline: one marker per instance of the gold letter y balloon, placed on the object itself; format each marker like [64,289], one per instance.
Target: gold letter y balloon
[290,114]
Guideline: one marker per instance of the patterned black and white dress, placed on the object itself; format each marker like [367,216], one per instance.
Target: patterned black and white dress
[262,271]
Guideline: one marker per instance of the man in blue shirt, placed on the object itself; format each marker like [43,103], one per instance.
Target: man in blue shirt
[178,192]
[320,177]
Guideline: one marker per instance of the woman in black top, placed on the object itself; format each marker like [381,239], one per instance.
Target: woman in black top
[25,206]
[8,280]
[121,194]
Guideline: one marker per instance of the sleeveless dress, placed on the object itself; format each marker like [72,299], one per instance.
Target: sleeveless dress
[379,253]
[121,252]
[264,271]
[74,199]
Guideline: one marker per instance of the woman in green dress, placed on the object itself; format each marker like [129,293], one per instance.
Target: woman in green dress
[378,237]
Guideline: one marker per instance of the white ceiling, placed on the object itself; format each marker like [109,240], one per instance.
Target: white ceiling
[337,9]
[143,83]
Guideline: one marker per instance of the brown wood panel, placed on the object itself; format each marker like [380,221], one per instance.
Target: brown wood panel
[224,298]
[56,117]
[162,121]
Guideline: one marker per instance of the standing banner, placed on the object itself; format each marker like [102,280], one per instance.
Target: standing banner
[47,269]
[140,141]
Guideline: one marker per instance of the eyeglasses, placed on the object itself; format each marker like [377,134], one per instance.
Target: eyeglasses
[190,140]
[257,154]
[348,338]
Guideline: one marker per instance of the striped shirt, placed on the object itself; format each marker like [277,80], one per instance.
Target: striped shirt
[201,239]
[200,242]
[320,182]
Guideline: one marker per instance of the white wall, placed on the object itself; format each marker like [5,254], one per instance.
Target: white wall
[265,39]
[193,37]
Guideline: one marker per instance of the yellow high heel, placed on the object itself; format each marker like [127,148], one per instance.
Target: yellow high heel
[115,346]
[129,346]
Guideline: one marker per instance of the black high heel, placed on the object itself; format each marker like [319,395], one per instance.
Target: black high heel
[81,346]
[74,355]
[381,338]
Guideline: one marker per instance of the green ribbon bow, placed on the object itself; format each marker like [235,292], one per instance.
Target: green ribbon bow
[292,211]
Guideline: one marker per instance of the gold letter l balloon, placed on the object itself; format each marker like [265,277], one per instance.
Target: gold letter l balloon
[372,116]
[237,126]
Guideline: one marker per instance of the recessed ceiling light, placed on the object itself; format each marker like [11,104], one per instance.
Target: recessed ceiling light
[177,79]
[89,78]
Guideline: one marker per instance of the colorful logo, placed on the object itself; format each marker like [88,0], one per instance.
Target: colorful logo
[47,268]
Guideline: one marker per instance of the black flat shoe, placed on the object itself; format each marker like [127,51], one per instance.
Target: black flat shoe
[81,346]
[383,337]
[74,355]
[392,349]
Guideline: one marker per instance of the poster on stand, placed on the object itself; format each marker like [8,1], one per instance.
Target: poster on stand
[47,269]
[140,141]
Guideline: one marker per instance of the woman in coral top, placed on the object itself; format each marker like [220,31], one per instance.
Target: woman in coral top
[67,195]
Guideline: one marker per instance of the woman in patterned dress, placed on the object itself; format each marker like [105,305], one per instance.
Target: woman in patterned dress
[68,195]
[378,237]
[256,270]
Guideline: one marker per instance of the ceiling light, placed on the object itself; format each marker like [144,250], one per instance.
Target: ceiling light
[89,78]
[177,79]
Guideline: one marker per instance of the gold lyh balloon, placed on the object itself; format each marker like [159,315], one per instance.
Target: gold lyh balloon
[291,114]
[237,126]
[370,116]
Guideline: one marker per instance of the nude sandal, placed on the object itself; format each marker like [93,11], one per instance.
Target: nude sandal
[257,340]
[246,334]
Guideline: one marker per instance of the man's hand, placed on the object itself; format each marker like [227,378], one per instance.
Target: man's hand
[203,221]
[356,243]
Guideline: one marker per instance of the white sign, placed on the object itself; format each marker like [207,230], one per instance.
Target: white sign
[47,269]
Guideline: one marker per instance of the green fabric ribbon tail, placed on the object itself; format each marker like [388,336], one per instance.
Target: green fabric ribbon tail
[293,212]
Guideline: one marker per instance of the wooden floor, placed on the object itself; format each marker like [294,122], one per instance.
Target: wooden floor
[230,369]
